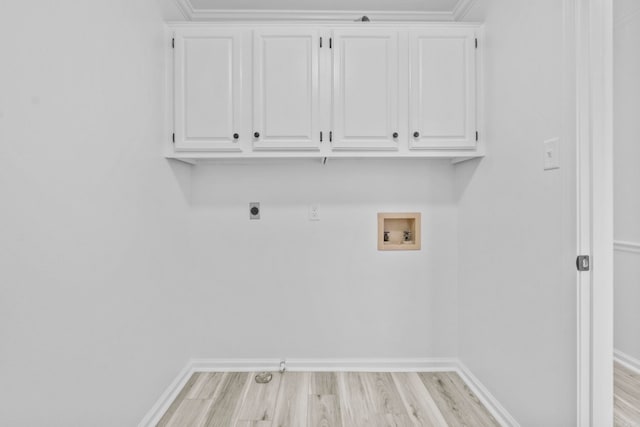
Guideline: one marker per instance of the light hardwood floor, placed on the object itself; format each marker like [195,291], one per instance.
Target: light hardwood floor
[345,399]
[626,397]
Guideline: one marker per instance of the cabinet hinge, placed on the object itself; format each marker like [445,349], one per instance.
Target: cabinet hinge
[476,43]
[331,136]
[173,43]
[583,263]
[477,136]
[173,138]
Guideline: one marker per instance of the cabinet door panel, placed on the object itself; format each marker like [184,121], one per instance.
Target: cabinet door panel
[207,90]
[286,89]
[365,89]
[442,88]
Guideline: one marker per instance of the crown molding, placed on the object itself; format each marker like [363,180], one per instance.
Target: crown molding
[315,15]
[461,9]
[622,246]
[185,8]
[192,14]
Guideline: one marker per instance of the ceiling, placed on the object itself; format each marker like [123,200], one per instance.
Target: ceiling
[328,5]
[324,9]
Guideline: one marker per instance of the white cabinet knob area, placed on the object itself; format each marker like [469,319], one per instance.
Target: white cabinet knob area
[365,88]
[293,90]
[208,105]
[286,93]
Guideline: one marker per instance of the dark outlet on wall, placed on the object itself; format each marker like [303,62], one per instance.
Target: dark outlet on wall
[254,210]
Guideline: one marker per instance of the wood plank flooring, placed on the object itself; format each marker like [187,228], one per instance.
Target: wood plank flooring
[328,399]
[626,397]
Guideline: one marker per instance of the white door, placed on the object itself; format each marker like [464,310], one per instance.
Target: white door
[442,89]
[365,89]
[207,90]
[285,89]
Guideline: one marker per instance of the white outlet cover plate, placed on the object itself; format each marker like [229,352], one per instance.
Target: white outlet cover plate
[552,154]
[314,213]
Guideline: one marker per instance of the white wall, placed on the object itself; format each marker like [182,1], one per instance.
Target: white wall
[117,266]
[517,295]
[288,287]
[93,225]
[627,174]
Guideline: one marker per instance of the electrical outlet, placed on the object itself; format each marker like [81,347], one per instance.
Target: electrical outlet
[254,210]
[314,213]
[552,154]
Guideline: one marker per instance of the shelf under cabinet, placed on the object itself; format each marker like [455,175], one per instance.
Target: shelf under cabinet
[208,157]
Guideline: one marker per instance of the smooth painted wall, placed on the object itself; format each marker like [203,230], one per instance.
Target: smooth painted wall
[517,279]
[117,266]
[93,221]
[288,287]
[627,175]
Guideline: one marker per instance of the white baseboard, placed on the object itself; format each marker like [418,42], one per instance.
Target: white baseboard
[328,365]
[627,361]
[234,365]
[488,400]
[166,399]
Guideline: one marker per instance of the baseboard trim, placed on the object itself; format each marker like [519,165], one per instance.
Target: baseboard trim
[627,361]
[152,418]
[488,400]
[328,365]
[325,365]
[234,365]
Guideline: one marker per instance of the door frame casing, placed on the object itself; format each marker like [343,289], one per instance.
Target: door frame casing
[593,35]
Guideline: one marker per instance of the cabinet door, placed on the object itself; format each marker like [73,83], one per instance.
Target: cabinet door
[442,89]
[207,90]
[365,89]
[285,89]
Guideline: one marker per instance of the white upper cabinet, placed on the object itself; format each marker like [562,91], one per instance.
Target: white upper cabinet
[324,90]
[285,89]
[365,89]
[207,90]
[442,91]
